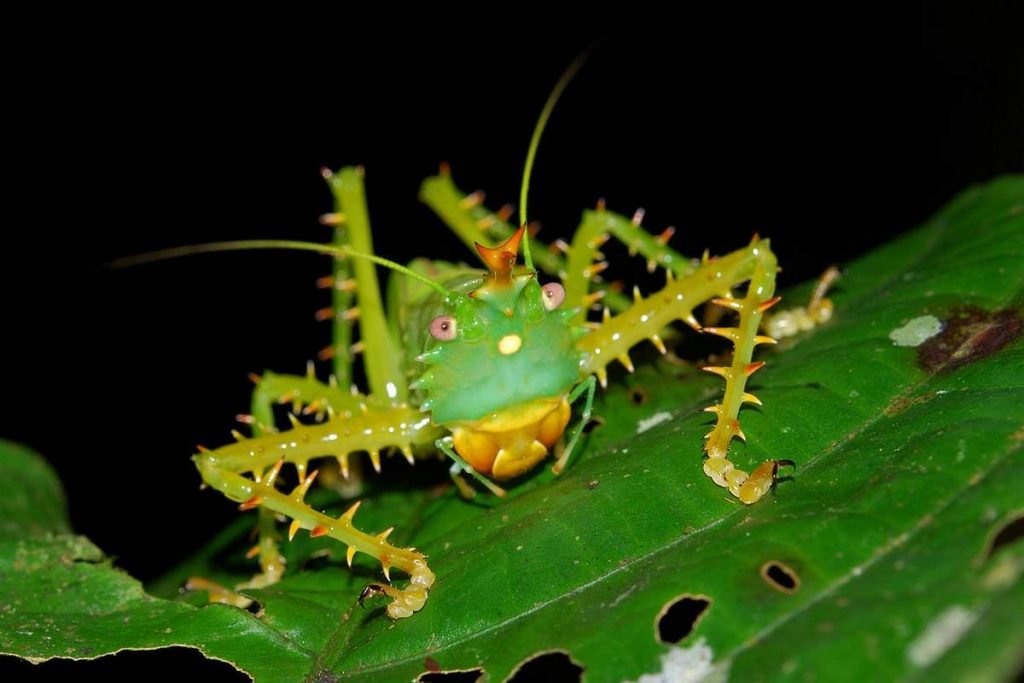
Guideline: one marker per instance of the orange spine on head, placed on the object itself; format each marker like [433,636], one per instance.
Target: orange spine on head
[501,259]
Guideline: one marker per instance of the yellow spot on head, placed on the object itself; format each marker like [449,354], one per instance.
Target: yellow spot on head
[509,344]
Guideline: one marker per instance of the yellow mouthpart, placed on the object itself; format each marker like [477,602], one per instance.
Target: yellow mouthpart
[510,442]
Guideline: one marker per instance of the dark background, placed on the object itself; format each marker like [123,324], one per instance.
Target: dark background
[829,133]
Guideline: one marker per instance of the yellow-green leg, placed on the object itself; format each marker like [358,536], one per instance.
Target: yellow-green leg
[460,465]
[749,488]
[305,393]
[712,281]
[588,385]
[263,457]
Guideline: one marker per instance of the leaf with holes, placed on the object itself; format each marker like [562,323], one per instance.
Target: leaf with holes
[893,551]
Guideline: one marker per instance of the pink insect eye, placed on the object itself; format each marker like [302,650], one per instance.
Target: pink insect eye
[443,327]
[553,295]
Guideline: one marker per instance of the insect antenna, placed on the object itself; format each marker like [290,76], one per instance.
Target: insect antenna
[293,245]
[531,152]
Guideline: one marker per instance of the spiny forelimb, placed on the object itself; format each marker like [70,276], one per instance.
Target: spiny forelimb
[615,335]
[369,428]
[261,492]
[360,428]
[713,280]
[749,488]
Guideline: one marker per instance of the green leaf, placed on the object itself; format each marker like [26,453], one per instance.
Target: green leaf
[893,541]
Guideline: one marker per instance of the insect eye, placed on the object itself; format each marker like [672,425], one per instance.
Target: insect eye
[553,294]
[443,327]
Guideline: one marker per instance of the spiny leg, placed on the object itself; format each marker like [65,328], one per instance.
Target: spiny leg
[588,385]
[355,297]
[818,310]
[585,262]
[352,298]
[304,393]
[382,358]
[300,393]
[749,488]
[713,281]
[615,335]
[461,465]
[344,310]
[471,221]
[251,493]
[263,457]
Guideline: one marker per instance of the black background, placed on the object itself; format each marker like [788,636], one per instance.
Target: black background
[829,133]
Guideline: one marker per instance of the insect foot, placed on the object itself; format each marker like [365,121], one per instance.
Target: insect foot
[405,601]
[749,488]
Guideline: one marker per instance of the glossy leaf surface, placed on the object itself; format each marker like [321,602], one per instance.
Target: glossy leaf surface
[891,553]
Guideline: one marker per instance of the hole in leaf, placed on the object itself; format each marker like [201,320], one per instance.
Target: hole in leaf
[174,663]
[780,576]
[1011,532]
[679,617]
[459,676]
[638,396]
[554,666]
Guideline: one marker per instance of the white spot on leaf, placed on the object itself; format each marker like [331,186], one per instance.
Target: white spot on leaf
[652,421]
[916,331]
[942,633]
[688,665]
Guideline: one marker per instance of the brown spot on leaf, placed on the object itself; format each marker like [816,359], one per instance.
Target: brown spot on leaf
[969,334]
[902,404]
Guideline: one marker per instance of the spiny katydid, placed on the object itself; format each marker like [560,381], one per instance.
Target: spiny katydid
[482,366]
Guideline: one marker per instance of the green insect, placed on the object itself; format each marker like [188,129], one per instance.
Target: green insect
[483,367]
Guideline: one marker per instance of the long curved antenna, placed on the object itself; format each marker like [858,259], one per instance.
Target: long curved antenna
[294,245]
[531,153]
